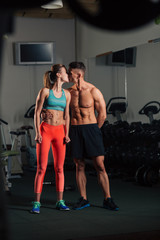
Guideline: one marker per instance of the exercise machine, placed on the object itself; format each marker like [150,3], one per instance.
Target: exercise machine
[117,106]
[10,156]
[147,175]
[30,112]
[150,109]
[29,148]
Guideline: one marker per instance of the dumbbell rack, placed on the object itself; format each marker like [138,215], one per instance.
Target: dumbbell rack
[129,148]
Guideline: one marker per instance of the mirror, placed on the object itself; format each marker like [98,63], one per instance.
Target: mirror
[139,83]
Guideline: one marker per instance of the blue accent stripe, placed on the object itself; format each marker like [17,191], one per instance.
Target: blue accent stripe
[87,205]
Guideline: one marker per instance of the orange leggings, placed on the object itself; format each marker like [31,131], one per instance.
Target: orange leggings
[51,136]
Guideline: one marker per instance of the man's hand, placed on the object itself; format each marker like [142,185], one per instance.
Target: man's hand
[46,114]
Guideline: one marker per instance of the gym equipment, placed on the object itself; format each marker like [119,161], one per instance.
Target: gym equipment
[151,176]
[30,112]
[147,175]
[118,14]
[27,134]
[150,109]
[116,108]
[133,150]
[10,159]
[139,176]
[15,165]
[29,148]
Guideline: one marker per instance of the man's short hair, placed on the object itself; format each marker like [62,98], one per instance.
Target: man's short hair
[78,65]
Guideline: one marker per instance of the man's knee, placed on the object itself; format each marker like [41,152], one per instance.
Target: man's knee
[80,164]
[100,167]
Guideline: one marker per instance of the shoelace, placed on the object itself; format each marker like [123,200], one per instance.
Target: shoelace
[36,204]
[62,202]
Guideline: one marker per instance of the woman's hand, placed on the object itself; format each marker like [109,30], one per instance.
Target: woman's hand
[38,138]
[67,139]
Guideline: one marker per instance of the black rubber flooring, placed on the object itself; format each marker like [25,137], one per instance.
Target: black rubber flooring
[137,218]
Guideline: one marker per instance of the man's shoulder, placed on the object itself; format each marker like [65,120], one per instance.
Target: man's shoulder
[92,87]
[96,93]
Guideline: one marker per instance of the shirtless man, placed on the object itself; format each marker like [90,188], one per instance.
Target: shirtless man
[85,133]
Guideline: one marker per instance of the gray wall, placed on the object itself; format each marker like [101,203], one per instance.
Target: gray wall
[20,84]
[92,41]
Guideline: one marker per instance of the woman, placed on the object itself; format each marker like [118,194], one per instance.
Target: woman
[54,131]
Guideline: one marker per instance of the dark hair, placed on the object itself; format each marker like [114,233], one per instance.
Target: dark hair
[56,68]
[78,65]
[50,77]
[48,80]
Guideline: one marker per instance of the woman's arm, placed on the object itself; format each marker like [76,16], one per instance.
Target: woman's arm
[38,108]
[67,116]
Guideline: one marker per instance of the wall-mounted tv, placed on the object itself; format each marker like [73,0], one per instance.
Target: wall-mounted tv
[34,53]
[126,57]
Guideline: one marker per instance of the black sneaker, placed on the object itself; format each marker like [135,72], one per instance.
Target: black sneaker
[82,203]
[109,204]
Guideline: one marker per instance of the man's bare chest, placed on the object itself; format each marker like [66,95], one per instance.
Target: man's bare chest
[82,99]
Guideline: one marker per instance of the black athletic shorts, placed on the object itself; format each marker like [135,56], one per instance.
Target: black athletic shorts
[86,141]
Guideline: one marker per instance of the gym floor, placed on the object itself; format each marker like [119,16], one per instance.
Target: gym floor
[137,218]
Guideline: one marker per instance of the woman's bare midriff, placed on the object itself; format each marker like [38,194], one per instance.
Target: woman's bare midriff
[53,117]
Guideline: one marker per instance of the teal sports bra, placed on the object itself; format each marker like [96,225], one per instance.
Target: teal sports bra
[55,103]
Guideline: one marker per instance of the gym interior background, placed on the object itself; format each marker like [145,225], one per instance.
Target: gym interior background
[76,40]
[82,42]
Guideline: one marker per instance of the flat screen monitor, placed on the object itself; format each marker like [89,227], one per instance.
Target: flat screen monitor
[34,53]
[126,57]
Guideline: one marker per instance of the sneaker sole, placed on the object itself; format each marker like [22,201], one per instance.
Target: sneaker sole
[87,205]
[60,209]
[64,209]
[115,209]
[34,212]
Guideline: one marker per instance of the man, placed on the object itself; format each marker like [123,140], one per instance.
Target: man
[85,133]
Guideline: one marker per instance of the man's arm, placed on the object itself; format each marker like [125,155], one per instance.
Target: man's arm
[100,106]
[67,116]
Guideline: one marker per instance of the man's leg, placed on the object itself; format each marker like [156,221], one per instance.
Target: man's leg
[108,202]
[81,177]
[81,183]
[102,175]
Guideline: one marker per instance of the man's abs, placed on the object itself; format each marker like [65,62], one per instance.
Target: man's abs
[81,116]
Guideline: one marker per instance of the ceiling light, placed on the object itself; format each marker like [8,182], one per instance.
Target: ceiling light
[53,5]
